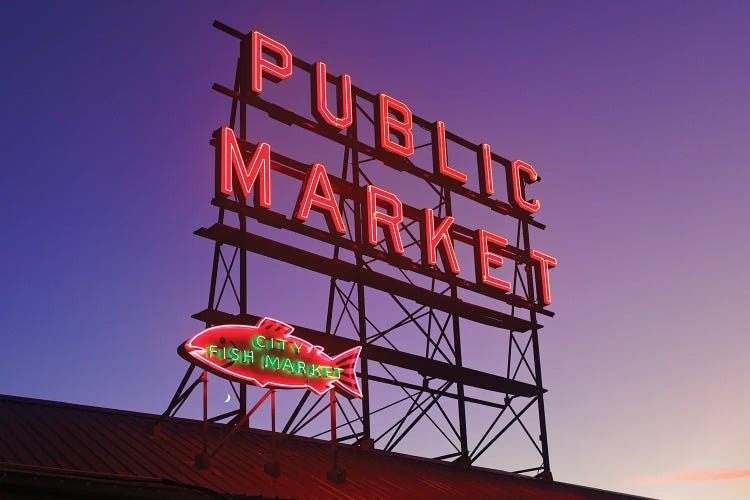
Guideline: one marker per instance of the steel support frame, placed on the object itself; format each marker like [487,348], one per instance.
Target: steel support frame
[348,308]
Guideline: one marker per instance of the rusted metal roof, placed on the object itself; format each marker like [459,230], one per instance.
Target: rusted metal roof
[50,446]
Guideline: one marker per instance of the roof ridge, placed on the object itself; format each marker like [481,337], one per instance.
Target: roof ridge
[511,476]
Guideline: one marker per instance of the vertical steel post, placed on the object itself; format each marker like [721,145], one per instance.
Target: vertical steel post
[202,460]
[459,362]
[244,88]
[204,378]
[336,474]
[273,468]
[336,249]
[362,317]
[547,472]
[334,446]
[273,425]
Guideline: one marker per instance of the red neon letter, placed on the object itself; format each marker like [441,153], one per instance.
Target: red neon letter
[260,66]
[324,203]
[545,263]
[486,184]
[432,237]
[401,126]
[440,155]
[258,166]
[379,197]
[484,259]
[516,167]
[343,98]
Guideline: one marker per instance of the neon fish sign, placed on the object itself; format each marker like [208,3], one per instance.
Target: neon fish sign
[268,355]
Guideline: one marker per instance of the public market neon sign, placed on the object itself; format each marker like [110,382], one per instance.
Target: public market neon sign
[382,211]
[267,354]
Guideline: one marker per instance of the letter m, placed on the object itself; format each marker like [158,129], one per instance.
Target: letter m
[257,169]
[270,362]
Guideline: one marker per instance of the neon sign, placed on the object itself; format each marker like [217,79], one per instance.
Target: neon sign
[267,354]
[383,213]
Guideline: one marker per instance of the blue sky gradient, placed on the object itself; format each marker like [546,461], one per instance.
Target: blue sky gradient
[636,115]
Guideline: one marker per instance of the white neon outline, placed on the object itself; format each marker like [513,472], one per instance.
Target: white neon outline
[516,167]
[386,103]
[489,259]
[391,221]
[196,351]
[440,163]
[433,238]
[258,166]
[321,98]
[486,181]
[546,262]
[326,202]
[259,41]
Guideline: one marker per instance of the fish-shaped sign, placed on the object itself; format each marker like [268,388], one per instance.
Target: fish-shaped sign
[267,354]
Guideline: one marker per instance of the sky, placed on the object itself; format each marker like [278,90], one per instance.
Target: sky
[635,114]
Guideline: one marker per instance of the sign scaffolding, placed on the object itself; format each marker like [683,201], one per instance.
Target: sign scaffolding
[369,234]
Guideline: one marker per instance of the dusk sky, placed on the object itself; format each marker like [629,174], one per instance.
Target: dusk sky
[635,114]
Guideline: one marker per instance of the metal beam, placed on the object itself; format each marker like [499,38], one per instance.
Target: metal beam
[346,271]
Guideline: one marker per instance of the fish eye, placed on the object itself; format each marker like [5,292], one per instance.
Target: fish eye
[223,340]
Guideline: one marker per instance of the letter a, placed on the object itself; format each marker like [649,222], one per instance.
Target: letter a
[325,202]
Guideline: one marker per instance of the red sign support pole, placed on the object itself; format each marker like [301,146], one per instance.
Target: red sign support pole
[273,468]
[335,475]
[202,460]
[204,379]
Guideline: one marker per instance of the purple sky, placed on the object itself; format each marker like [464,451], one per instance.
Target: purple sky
[635,115]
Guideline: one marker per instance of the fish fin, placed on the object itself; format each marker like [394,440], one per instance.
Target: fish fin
[347,361]
[274,326]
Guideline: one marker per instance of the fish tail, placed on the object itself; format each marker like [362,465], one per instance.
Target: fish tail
[347,381]
[274,326]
